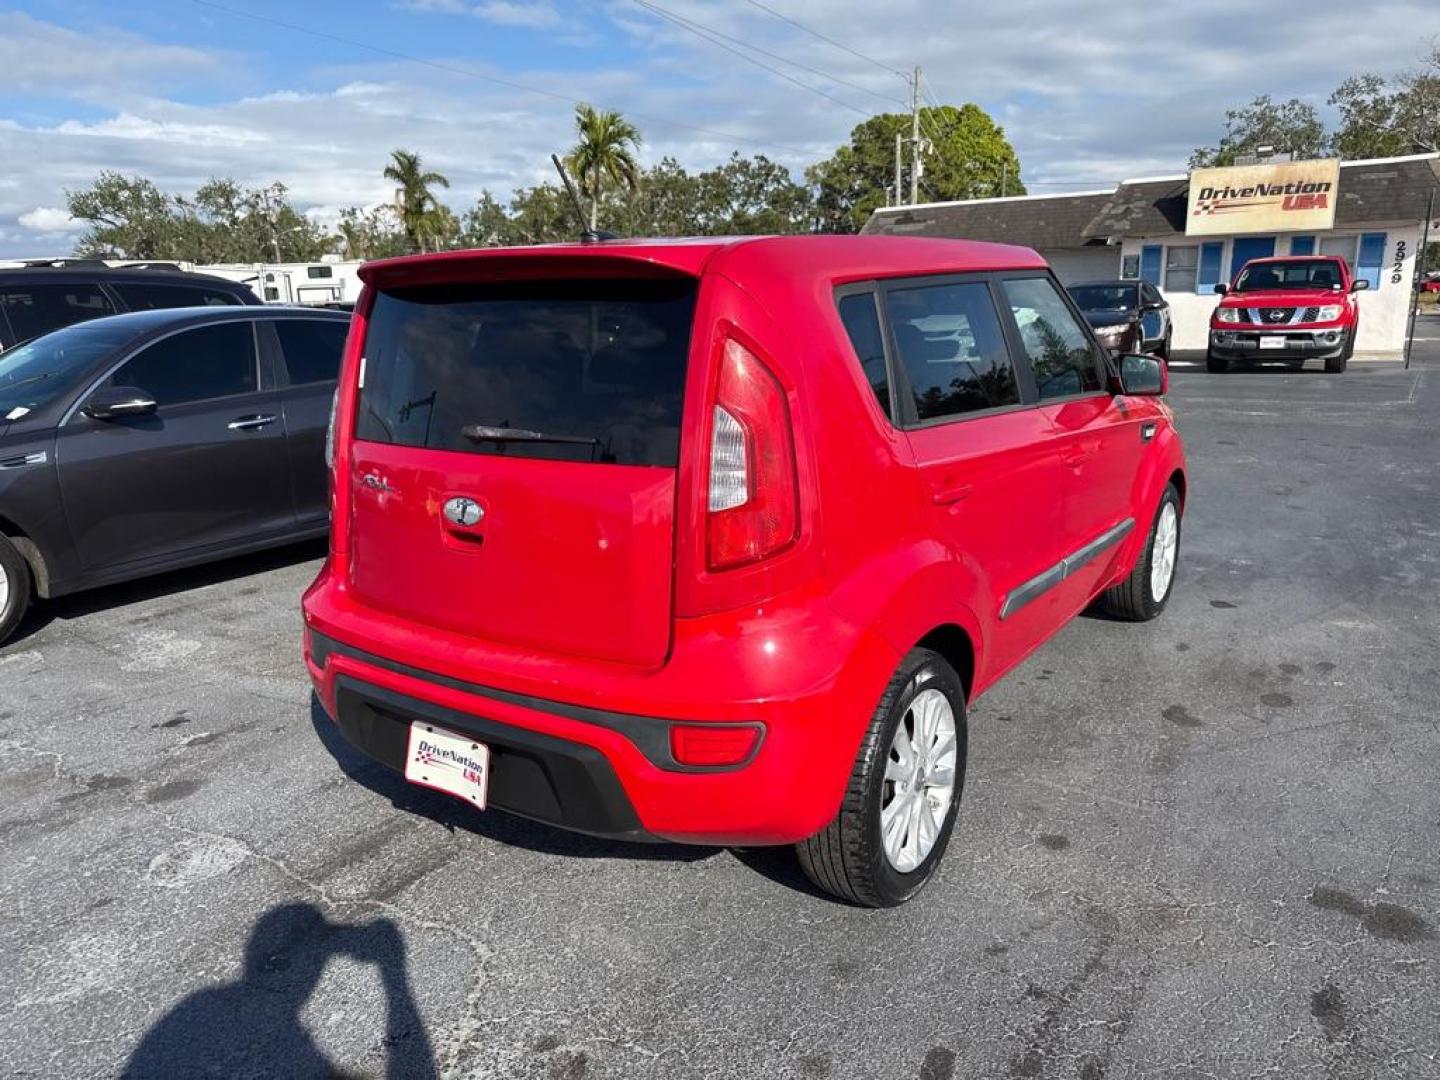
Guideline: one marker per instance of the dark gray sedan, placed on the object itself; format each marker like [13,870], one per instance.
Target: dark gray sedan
[145,442]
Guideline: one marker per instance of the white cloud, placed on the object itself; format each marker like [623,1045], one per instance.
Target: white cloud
[529,13]
[47,219]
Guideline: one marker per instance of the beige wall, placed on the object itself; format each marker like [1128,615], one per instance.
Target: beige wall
[1384,312]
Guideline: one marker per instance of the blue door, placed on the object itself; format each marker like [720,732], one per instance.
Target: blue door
[1245,248]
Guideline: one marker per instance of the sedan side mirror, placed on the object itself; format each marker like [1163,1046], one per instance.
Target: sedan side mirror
[1221,290]
[115,402]
[1154,305]
[1359,285]
[1143,376]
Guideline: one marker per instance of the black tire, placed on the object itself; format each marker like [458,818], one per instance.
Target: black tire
[1164,352]
[1216,365]
[847,858]
[16,578]
[1133,599]
[1334,365]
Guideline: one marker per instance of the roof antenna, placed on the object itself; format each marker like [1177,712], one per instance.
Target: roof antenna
[587,234]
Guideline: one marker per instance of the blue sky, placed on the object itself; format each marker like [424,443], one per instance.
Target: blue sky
[180,90]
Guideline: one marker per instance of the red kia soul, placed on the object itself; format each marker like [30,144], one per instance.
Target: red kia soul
[714,540]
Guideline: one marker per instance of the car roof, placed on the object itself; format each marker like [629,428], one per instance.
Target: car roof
[1296,258]
[100,272]
[825,257]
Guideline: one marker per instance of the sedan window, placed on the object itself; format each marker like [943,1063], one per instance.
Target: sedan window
[32,374]
[194,365]
[312,348]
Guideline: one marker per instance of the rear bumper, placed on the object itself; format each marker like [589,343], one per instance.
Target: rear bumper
[1244,344]
[611,772]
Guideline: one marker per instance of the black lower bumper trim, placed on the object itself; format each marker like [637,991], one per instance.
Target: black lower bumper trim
[531,774]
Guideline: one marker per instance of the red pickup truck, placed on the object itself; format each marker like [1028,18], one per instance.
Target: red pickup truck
[1290,309]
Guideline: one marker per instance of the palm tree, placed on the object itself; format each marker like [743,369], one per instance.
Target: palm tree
[414,199]
[604,153]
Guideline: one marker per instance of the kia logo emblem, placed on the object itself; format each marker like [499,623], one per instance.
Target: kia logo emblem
[463,511]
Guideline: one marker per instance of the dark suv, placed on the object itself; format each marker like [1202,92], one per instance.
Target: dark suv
[38,297]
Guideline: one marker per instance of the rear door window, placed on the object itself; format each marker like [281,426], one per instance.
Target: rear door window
[587,371]
[147,296]
[194,365]
[312,348]
[38,309]
[952,349]
[1061,354]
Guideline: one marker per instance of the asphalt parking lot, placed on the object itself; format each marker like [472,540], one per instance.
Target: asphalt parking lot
[1201,847]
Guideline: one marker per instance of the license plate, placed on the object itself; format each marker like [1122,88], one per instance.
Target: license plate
[1272,342]
[448,761]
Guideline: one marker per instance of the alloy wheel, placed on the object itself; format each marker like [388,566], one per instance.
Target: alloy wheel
[1163,552]
[919,781]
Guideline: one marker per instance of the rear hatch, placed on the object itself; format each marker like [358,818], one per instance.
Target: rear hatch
[512,475]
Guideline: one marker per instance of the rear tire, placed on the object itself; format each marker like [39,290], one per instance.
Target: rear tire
[1143,595]
[15,587]
[1216,365]
[851,858]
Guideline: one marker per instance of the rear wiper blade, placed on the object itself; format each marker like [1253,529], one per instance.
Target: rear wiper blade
[482,433]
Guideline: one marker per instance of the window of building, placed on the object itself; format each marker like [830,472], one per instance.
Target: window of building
[318,272]
[952,348]
[1343,246]
[194,365]
[1302,245]
[1182,265]
[1130,267]
[862,323]
[1371,258]
[1061,356]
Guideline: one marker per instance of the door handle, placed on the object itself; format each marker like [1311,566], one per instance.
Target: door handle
[250,423]
[23,460]
[1073,455]
[946,496]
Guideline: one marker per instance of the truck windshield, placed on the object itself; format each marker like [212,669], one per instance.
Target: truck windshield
[31,375]
[1300,274]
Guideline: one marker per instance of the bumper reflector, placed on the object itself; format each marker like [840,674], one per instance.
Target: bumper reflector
[712,745]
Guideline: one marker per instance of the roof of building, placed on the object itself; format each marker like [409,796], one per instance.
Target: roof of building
[1383,189]
[1039,221]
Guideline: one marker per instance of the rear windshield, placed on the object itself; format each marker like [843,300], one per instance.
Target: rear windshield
[1310,274]
[571,371]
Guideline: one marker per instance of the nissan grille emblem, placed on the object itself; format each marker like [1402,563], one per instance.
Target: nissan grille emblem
[463,511]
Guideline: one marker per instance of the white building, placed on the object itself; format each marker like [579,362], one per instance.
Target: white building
[1143,229]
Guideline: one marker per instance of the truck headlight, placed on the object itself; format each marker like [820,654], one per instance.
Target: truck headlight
[1111,331]
[1330,312]
[1227,315]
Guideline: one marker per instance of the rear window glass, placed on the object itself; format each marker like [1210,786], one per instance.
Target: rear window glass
[147,296]
[38,309]
[569,371]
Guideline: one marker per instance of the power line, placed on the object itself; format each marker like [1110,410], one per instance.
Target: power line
[456,70]
[714,39]
[828,40]
[691,24]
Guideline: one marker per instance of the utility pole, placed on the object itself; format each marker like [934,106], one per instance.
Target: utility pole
[915,138]
[899,195]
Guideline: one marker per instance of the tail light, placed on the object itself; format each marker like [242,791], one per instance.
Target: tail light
[753,505]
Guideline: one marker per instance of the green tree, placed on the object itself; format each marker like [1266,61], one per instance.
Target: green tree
[375,233]
[965,156]
[1388,117]
[414,200]
[750,196]
[128,218]
[1292,126]
[605,153]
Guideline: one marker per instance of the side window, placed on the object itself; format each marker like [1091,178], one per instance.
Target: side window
[1182,264]
[952,347]
[862,323]
[194,365]
[312,348]
[1151,295]
[145,296]
[1060,352]
[38,309]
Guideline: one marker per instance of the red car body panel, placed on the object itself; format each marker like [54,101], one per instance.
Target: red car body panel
[589,588]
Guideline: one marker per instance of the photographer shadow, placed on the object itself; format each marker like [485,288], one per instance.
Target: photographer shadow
[252,1027]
